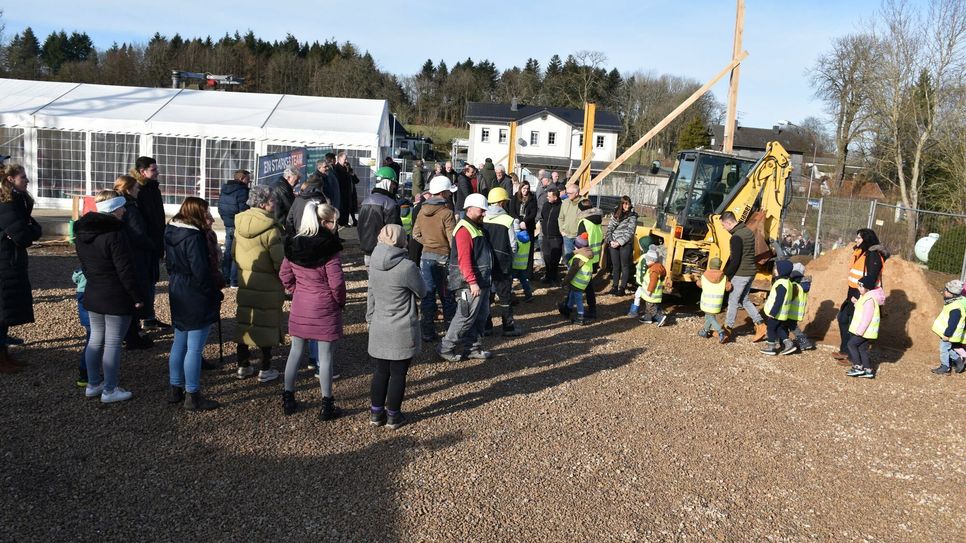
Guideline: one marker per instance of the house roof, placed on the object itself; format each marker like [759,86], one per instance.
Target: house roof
[479,112]
[194,113]
[756,138]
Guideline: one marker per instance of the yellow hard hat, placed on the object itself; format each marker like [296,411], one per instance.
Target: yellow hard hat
[497,195]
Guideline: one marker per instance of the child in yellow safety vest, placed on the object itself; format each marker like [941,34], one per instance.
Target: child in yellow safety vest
[782,303]
[579,275]
[520,262]
[864,327]
[802,283]
[950,326]
[713,284]
[650,275]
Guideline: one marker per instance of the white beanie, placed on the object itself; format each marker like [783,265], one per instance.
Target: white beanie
[112,205]
[650,255]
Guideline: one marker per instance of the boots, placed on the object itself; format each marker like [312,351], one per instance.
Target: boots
[771,348]
[289,405]
[329,411]
[761,330]
[632,312]
[726,335]
[8,364]
[196,402]
[175,394]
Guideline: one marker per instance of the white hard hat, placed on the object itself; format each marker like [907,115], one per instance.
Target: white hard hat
[440,183]
[475,200]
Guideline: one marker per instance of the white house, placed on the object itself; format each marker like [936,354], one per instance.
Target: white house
[74,139]
[547,137]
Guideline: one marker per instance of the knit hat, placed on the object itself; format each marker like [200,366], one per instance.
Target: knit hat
[955,287]
[869,282]
[651,256]
[714,264]
[783,267]
[581,241]
[112,205]
[393,235]
[523,236]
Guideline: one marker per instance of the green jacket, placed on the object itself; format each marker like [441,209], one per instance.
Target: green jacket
[259,251]
[569,220]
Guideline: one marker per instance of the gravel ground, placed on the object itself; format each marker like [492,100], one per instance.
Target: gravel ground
[613,432]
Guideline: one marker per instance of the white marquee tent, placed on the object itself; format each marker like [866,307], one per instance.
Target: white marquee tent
[75,138]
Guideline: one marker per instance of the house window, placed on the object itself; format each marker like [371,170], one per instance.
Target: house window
[503,135]
[551,138]
[485,135]
[534,138]
[600,142]
[581,143]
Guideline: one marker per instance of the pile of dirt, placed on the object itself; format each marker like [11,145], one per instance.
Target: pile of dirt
[911,305]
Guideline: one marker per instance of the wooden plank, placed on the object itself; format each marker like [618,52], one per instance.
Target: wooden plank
[587,150]
[664,122]
[727,144]
[583,167]
[512,155]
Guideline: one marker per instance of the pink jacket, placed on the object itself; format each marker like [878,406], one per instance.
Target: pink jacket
[318,296]
[867,310]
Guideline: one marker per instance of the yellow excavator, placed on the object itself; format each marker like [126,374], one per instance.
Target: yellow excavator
[704,184]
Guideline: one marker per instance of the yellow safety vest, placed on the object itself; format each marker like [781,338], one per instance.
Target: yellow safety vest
[784,310]
[654,297]
[474,231]
[872,332]
[641,269]
[595,238]
[798,306]
[502,219]
[407,222]
[942,321]
[712,295]
[522,258]
[584,274]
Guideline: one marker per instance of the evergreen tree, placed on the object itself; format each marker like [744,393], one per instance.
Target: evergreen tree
[695,135]
[23,56]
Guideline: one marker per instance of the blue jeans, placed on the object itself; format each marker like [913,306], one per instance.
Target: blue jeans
[568,250]
[435,271]
[229,269]
[521,275]
[576,299]
[104,349]
[946,354]
[184,365]
[738,296]
[85,321]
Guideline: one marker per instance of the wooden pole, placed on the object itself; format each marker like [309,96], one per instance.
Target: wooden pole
[587,150]
[731,116]
[512,154]
[583,167]
[664,122]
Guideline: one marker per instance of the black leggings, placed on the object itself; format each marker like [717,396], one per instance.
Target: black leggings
[388,383]
[844,319]
[777,330]
[621,265]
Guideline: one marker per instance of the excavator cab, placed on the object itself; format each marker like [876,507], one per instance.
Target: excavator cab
[701,185]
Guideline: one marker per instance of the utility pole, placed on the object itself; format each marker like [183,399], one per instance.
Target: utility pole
[729,128]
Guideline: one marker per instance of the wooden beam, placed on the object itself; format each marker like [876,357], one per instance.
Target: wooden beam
[727,144]
[512,154]
[664,122]
[587,149]
[583,167]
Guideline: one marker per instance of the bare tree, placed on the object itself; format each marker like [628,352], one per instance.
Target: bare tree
[840,79]
[917,84]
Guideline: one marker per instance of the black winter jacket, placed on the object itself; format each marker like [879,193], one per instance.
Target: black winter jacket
[284,197]
[142,252]
[232,201]
[17,232]
[376,211]
[151,205]
[105,256]
[294,219]
[549,225]
[464,187]
[527,212]
[191,290]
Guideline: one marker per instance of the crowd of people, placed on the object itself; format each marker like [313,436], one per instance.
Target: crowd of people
[441,267]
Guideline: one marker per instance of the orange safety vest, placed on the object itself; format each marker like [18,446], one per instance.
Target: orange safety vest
[857,269]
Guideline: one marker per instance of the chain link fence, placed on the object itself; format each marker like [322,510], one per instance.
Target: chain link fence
[814,226]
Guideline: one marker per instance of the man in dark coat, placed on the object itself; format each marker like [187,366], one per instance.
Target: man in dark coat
[378,210]
[151,204]
[551,245]
[346,187]
[326,179]
[232,201]
[388,161]
[488,178]
[466,184]
[283,191]
[450,173]
[313,191]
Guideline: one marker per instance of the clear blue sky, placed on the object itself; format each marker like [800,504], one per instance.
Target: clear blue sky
[689,38]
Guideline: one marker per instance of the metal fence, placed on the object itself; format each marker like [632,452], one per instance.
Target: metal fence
[937,240]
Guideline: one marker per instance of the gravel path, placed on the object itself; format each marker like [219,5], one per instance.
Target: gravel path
[610,432]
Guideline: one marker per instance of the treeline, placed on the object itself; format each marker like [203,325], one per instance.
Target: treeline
[436,95]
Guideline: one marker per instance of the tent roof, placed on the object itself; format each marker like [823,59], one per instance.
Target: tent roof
[194,113]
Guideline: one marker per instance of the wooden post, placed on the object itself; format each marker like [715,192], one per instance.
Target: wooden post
[512,154]
[664,122]
[728,140]
[587,150]
[583,167]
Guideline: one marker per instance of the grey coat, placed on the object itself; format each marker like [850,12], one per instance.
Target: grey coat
[395,287]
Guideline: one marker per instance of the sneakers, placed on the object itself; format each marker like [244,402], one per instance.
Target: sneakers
[448,356]
[646,320]
[789,347]
[942,370]
[81,381]
[175,394]
[93,391]
[289,405]
[858,371]
[805,344]
[377,417]
[265,376]
[479,355]
[579,320]
[632,312]
[154,324]
[761,331]
[329,411]
[244,372]
[395,420]
[116,395]
[770,349]
[704,334]
[660,321]
[313,365]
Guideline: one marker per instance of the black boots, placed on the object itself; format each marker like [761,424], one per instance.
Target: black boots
[329,411]
[175,394]
[196,402]
[289,405]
